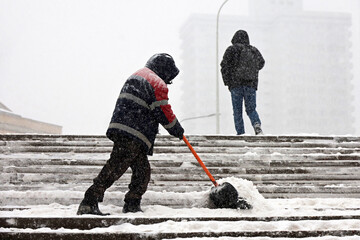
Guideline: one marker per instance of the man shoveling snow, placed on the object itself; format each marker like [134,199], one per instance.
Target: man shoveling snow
[140,107]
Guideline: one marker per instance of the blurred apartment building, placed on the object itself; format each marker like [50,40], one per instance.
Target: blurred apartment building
[305,86]
[14,123]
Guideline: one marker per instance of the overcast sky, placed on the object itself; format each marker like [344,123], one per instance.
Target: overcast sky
[64,62]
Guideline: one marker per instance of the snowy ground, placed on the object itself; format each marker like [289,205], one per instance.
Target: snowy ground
[262,208]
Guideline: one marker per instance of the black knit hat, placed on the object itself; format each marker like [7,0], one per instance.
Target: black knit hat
[164,66]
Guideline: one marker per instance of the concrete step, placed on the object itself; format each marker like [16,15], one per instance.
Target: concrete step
[87,223]
[70,235]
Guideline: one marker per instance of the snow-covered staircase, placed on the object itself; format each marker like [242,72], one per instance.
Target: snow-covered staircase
[280,166]
[45,169]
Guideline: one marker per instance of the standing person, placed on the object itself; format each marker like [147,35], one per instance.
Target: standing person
[140,107]
[240,69]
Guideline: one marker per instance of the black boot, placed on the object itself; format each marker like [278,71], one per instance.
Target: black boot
[86,207]
[132,206]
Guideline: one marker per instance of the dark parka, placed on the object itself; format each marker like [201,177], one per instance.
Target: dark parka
[241,62]
[143,104]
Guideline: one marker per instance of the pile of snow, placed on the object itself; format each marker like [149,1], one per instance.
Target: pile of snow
[248,191]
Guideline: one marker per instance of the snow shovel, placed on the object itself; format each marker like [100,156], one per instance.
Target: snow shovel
[224,195]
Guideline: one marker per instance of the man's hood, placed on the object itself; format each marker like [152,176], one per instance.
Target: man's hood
[240,36]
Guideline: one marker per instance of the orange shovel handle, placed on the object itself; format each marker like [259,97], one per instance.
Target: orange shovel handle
[200,162]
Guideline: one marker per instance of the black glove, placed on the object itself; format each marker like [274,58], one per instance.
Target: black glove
[177,131]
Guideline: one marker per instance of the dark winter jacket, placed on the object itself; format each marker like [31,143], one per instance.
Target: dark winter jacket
[141,106]
[241,62]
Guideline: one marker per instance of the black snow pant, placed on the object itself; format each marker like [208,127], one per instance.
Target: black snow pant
[126,153]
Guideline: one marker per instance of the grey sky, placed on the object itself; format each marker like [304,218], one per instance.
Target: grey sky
[64,62]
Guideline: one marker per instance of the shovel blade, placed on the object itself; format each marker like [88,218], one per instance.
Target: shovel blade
[224,196]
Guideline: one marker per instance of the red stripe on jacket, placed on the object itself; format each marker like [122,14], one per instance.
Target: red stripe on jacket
[161,90]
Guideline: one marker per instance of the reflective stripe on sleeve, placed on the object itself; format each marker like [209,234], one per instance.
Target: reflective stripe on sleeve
[170,125]
[158,104]
[132,131]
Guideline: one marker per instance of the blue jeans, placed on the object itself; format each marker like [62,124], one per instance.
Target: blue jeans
[248,94]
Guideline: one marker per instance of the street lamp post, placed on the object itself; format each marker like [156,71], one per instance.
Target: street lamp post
[217,71]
